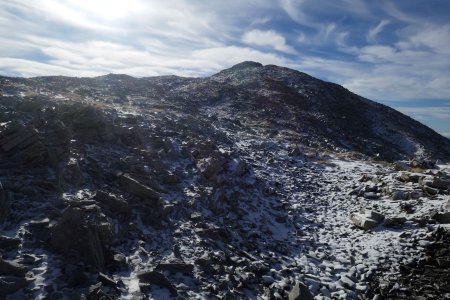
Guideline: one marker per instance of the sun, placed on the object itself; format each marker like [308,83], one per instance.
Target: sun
[107,9]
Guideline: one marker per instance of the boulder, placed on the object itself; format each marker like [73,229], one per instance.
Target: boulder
[211,166]
[374,215]
[4,204]
[23,142]
[170,179]
[11,284]
[300,292]
[422,163]
[371,196]
[366,221]
[240,168]
[176,267]
[129,135]
[347,282]
[72,172]
[395,222]
[89,125]
[442,217]
[429,191]
[135,187]
[436,182]
[403,194]
[157,278]
[17,136]
[400,166]
[409,177]
[12,268]
[295,151]
[83,233]
[8,242]
[106,280]
[74,276]
[57,140]
[112,203]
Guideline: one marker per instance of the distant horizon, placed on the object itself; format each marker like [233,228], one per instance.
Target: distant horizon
[390,52]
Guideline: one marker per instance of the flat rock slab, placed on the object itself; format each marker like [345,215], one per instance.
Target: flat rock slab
[11,284]
[12,268]
[158,279]
[8,242]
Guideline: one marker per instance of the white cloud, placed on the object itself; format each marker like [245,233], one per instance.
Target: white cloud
[28,68]
[433,37]
[434,112]
[267,38]
[375,31]
[227,56]
[294,10]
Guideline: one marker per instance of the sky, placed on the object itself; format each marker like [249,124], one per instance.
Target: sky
[393,52]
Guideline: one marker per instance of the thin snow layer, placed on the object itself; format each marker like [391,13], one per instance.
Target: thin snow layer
[302,217]
[331,255]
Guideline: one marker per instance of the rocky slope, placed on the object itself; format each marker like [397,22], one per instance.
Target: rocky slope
[258,182]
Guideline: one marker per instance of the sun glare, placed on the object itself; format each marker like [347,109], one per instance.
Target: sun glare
[107,9]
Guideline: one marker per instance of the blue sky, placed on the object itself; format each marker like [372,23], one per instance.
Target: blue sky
[393,52]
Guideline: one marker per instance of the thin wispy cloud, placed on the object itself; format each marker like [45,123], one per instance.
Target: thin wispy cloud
[375,31]
[269,39]
[381,50]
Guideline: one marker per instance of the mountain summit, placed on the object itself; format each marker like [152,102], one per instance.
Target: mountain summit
[274,99]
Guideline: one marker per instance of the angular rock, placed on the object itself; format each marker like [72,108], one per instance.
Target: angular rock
[400,166]
[171,179]
[5,204]
[140,190]
[442,217]
[347,282]
[106,280]
[371,196]
[374,215]
[112,202]
[422,163]
[23,141]
[89,125]
[176,267]
[11,284]
[12,268]
[72,172]
[73,274]
[132,136]
[120,261]
[8,242]
[410,177]
[395,222]
[430,191]
[437,183]
[300,292]
[366,221]
[19,137]
[211,166]
[159,279]
[84,234]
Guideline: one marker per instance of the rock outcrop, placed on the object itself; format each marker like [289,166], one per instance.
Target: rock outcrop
[83,233]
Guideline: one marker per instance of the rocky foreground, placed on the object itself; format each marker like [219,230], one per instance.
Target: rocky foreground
[158,199]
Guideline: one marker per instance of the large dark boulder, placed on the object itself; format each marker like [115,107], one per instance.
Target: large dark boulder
[84,234]
[11,284]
